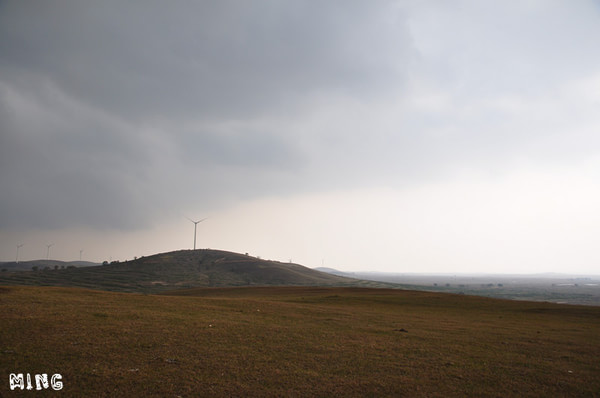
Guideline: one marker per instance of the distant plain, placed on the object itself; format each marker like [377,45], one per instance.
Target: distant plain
[556,288]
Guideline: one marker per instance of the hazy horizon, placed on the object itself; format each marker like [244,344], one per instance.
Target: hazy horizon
[397,136]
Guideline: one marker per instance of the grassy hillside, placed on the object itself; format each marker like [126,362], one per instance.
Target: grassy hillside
[181,269]
[297,341]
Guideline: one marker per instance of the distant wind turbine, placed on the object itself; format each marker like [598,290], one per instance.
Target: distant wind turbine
[195,225]
[48,250]
[80,253]
[18,247]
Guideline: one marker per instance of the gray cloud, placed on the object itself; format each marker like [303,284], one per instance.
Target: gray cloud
[98,99]
[202,60]
[113,111]
[63,164]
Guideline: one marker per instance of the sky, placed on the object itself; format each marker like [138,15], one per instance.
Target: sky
[401,136]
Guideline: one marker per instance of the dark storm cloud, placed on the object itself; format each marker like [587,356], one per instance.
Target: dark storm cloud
[206,59]
[109,109]
[62,164]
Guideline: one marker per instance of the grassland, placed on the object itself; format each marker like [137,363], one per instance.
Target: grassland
[297,342]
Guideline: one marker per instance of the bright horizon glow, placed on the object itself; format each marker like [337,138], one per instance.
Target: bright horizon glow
[449,227]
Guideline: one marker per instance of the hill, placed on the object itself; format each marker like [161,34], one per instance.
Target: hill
[182,269]
[297,342]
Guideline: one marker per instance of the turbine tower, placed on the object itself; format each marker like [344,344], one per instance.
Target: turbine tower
[48,250]
[18,247]
[195,225]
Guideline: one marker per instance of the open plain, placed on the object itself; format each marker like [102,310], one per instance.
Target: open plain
[296,341]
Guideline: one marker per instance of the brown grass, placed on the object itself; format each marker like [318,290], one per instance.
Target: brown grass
[297,342]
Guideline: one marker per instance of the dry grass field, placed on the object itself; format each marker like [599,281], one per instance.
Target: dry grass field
[296,342]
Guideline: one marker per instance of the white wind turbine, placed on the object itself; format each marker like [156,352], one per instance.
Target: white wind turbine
[48,250]
[18,247]
[195,225]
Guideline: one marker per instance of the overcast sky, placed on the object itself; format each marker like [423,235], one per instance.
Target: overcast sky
[403,136]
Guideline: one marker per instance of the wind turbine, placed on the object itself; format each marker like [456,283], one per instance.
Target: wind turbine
[18,247]
[48,250]
[80,253]
[195,225]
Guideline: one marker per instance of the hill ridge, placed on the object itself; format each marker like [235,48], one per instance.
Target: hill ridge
[183,269]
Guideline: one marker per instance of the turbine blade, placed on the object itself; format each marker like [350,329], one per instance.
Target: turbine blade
[195,222]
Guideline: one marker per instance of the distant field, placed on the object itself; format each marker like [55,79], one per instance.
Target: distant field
[297,341]
[563,289]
